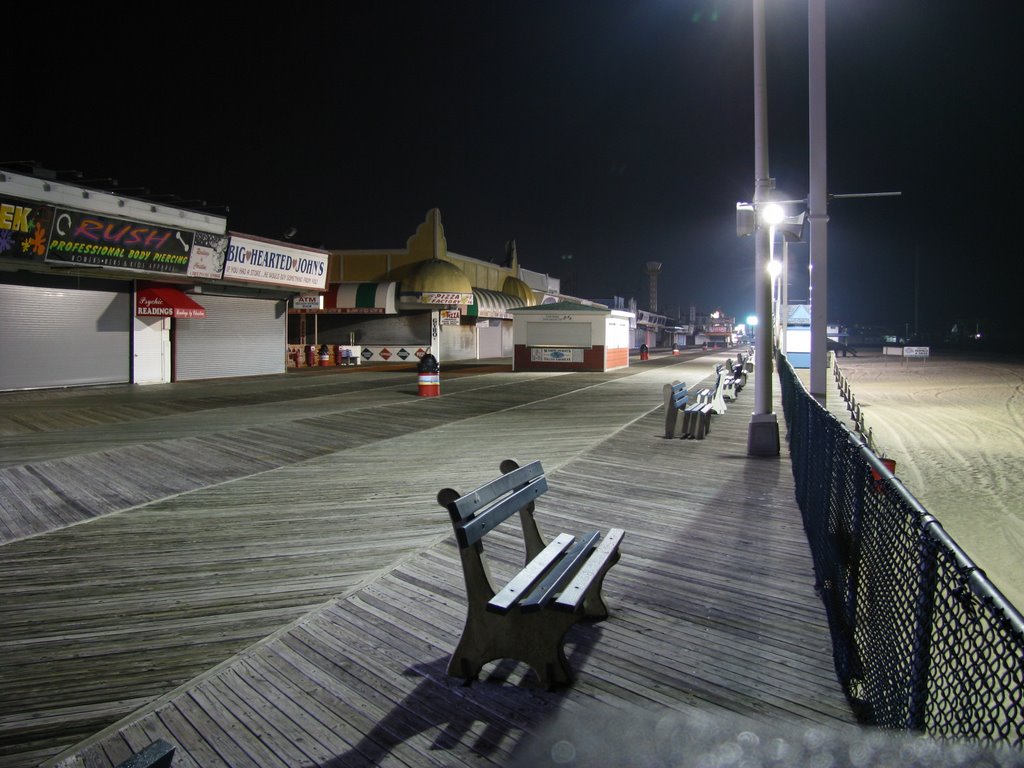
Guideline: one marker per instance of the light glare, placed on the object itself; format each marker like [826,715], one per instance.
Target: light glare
[772,214]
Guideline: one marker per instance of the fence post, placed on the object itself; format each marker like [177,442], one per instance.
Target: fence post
[924,610]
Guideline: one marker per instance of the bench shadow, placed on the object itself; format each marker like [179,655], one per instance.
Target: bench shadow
[506,697]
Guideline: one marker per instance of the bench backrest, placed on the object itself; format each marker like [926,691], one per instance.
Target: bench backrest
[676,395]
[476,513]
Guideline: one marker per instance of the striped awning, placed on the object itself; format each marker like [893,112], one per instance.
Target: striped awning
[492,304]
[361,298]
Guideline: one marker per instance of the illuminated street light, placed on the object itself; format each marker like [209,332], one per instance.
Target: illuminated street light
[772,214]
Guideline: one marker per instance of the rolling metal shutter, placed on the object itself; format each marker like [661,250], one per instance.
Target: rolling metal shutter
[58,335]
[238,337]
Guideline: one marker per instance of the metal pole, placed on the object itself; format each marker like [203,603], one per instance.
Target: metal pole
[818,199]
[784,296]
[763,431]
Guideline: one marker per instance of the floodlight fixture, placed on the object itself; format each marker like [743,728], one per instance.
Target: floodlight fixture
[772,214]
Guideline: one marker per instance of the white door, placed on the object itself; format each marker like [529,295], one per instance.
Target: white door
[152,347]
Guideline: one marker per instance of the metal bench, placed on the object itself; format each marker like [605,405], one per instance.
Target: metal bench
[560,584]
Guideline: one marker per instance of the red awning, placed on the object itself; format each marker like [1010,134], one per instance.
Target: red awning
[164,301]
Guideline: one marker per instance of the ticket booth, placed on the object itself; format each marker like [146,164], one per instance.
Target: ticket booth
[567,336]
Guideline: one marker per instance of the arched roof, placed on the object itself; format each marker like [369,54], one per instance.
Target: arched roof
[513,286]
[436,276]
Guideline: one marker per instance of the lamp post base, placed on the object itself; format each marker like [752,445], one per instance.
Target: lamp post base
[763,435]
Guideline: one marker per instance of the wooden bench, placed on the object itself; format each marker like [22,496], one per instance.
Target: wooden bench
[697,423]
[715,394]
[729,380]
[560,584]
[676,399]
[735,377]
[159,754]
[685,419]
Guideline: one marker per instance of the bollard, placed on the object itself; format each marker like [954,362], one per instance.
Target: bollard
[429,376]
[325,355]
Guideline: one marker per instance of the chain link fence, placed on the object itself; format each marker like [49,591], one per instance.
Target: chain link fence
[922,640]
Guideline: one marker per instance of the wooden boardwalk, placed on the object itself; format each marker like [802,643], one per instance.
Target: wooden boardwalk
[256,571]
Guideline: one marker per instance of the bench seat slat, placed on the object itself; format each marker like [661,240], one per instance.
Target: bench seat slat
[470,531]
[576,589]
[523,581]
[552,583]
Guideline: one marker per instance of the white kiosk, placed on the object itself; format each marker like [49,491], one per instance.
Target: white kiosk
[567,336]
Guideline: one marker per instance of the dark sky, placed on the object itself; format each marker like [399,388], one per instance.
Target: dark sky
[617,131]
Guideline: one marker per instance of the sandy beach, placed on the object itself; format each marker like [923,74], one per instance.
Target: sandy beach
[954,424]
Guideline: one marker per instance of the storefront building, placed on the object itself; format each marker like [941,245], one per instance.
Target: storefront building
[97,288]
[398,305]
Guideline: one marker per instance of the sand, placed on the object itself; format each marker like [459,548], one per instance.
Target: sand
[954,423]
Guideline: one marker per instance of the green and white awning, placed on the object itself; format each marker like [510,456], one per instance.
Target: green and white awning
[361,298]
[492,304]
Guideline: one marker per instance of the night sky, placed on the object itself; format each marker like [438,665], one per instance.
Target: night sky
[617,132]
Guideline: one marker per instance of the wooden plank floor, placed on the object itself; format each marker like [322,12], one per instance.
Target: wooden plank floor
[286,592]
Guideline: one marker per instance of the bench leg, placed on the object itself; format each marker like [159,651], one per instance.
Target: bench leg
[704,425]
[536,639]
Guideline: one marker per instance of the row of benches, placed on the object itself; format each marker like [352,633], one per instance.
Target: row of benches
[688,414]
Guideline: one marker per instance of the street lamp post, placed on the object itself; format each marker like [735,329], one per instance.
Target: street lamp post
[763,430]
[818,198]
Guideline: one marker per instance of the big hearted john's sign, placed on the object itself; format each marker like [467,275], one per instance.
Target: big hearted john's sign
[254,260]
